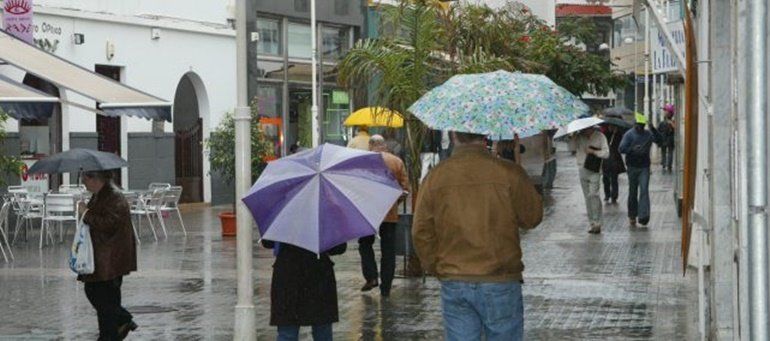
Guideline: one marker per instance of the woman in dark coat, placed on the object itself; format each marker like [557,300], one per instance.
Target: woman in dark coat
[614,165]
[109,217]
[303,291]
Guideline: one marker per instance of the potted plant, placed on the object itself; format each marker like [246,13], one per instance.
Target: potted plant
[221,148]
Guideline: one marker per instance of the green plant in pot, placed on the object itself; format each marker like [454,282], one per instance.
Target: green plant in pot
[221,148]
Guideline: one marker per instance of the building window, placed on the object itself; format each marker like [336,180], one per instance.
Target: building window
[269,37]
[269,109]
[300,45]
[334,43]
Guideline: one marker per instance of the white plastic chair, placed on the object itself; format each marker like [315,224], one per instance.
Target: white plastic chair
[27,207]
[159,185]
[72,189]
[171,204]
[59,209]
[139,210]
[5,210]
[153,204]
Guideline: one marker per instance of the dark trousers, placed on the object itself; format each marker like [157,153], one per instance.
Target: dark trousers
[388,260]
[105,298]
[610,186]
[667,157]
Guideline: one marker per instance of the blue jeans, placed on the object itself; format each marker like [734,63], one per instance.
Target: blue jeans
[639,194]
[470,308]
[321,332]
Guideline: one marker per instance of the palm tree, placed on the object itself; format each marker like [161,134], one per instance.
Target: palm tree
[411,56]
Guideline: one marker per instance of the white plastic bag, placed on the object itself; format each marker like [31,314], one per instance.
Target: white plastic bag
[82,252]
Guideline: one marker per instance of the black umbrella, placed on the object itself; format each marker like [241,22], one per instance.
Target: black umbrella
[78,160]
[618,122]
[617,112]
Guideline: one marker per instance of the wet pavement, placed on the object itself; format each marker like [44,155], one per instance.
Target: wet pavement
[623,284]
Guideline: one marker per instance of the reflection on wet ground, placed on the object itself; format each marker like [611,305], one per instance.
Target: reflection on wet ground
[622,284]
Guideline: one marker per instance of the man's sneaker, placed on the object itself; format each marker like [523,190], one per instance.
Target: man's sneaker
[644,221]
[595,229]
[369,286]
[632,222]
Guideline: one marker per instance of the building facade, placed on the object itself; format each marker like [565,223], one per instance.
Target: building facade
[152,46]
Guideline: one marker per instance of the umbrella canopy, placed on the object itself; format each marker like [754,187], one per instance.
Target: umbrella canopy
[77,160]
[499,104]
[618,122]
[617,112]
[375,117]
[578,125]
[322,197]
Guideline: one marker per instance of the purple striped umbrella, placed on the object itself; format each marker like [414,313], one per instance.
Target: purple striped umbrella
[322,197]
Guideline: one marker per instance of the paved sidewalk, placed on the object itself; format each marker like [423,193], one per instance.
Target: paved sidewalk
[622,284]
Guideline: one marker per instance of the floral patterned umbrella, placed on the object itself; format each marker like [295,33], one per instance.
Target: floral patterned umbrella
[499,104]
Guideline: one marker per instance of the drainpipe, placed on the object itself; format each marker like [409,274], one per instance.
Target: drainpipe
[756,155]
[245,315]
[647,64]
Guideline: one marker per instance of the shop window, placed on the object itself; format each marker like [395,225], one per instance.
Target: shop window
[300,72]
[269,37]
[270,70]
[334,43]
[269,109]
[337,106]
[300,45]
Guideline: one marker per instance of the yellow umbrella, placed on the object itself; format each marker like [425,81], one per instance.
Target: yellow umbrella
[375,117]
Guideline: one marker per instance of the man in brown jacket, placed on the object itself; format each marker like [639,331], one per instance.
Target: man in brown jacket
[109,217]
[466,231]
[387,228]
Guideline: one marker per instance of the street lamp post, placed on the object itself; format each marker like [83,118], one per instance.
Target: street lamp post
[315,125]
[245,316]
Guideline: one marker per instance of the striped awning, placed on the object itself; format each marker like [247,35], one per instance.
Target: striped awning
[23,102]
[114,98]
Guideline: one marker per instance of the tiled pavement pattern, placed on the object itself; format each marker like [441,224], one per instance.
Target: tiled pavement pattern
[622,284]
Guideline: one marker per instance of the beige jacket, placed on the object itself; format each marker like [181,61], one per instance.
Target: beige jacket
[468,215]
[361,141]
[396,166]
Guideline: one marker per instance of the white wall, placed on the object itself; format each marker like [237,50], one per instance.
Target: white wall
[215,11]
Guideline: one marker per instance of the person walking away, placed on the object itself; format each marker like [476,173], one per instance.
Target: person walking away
[361,141]
[636,145]
[303,291]
[549,160]
[591,150]
[466,231]
[667,133]
[109,216]
[391,140]
[387,228]
[509,149]
[614,165]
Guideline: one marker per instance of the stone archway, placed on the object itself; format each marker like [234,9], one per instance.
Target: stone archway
[190,104]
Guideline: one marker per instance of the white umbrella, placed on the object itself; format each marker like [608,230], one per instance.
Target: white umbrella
[578,125]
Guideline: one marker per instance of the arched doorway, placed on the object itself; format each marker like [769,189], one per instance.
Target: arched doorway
[189,102]
[42,137]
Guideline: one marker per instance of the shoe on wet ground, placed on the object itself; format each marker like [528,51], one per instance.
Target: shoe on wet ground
[369,286]
[595,229]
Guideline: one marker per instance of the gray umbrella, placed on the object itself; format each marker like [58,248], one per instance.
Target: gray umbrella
[617,112]
[78,160]
[618,122]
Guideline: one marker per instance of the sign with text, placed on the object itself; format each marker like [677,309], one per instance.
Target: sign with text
[37,183]
[663,59]
[17,19]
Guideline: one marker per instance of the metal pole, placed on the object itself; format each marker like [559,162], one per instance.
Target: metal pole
[314,109]
[245,316]
[756,104]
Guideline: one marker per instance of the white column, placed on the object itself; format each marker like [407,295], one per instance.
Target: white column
[245,315]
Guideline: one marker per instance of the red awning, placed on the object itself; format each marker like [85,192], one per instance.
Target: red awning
[568,10]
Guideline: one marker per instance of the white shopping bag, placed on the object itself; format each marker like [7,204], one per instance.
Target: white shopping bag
[82,252]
